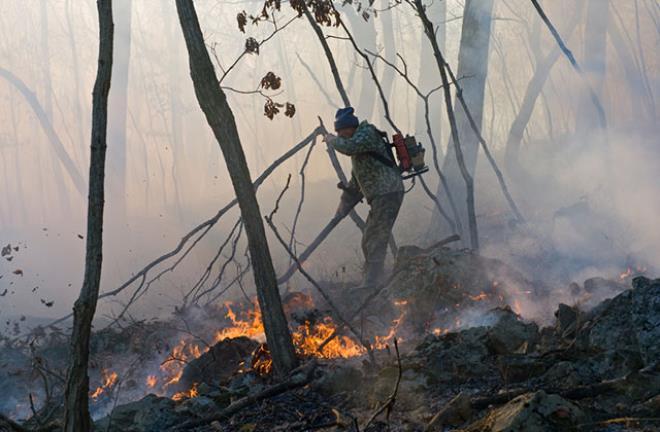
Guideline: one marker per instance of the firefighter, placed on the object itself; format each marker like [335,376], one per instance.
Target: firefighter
[376,177]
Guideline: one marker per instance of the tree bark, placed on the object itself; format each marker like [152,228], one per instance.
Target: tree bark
[220,118]
[455,136]
[473,64]
[76,409]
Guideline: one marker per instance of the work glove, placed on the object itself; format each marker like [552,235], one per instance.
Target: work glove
[349,199]
[329,138]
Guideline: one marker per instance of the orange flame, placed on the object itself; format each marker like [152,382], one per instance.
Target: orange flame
[479,297]
[188,394]
[152,380]
[109,381]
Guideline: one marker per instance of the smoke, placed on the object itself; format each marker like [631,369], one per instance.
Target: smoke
[590,200]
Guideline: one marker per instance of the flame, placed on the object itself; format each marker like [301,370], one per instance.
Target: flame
[516,307]
[181,354]
[109,381]
[251,327]
[308,337]
[440,331]
[479,297]
[626,273]
[188,394]
[152,380]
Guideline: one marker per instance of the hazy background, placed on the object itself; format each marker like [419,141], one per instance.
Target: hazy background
[174,176]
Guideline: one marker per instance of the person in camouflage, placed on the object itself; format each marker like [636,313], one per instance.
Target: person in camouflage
[376,177]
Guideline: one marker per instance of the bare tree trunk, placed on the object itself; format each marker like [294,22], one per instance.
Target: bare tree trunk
[76,409]
[118,105]
[60,151]
[473,64]
[534,88]
[220,118]
[594,64]
[428,79]
[458,152]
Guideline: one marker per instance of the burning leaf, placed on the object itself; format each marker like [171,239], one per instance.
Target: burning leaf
[6,250]
[271,81]
[80,236]
[152,380]
[262,362]
[189,394]
[290,110]
[18,272]
[109,381]
[4,293]
[48,303]
[252,46]
[241,18]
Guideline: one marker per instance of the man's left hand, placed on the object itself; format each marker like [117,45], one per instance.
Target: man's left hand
[329,138]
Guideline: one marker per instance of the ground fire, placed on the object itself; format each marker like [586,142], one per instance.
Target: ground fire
[332,216]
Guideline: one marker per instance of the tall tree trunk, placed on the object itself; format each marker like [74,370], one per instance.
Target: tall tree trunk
[594,64]
[220,118]
[453,125]
[473,64]
[534,88]
[60,151]
[428,77]
[76,409]
[118,107]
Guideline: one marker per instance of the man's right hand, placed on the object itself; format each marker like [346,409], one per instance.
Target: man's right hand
[347,202]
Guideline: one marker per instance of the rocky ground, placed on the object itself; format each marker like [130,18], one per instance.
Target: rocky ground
[466,361]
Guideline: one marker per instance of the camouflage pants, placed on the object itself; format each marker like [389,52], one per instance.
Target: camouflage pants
[382,215]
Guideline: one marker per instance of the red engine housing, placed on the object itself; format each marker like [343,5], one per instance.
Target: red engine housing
[402,152]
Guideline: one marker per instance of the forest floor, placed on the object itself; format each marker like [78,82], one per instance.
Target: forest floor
[450,352]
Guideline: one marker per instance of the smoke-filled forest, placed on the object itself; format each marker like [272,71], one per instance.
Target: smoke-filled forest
[378,215]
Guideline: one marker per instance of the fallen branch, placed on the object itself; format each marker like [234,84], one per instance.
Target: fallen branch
[299,378]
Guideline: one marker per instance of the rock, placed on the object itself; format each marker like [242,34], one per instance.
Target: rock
[200,406]
[149,414]
[511,334]
[531,412]
[520,367]
[456,412]
[457,357]
[566,319]
[217,365]
[339,378]
[626,329]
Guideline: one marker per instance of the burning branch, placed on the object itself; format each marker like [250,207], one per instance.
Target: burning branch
[300,377]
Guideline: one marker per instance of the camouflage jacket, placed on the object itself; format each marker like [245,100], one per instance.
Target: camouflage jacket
[372,176]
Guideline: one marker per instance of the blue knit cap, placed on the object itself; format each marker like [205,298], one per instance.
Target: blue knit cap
[345,118]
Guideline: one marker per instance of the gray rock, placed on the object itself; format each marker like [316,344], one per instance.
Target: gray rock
[149,414]
[511,334]
[531,412]
[626,328]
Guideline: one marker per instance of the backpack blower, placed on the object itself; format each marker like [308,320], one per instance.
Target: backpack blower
[410,154]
